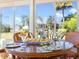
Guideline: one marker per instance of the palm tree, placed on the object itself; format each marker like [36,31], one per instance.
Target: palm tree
[25,20]
[62,6]
[50,22]
[40,18]
[67,18]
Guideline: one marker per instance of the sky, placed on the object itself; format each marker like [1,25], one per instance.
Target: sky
[42,10]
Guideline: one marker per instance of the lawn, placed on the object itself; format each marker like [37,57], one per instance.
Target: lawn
[7,35]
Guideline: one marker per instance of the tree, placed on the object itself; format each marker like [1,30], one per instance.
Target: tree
[5,28]
[62,6]
[37,27]
[41,19]
[25,20]
[71,24]
[50,22]
[70,20]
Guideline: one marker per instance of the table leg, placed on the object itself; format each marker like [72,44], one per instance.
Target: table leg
[13,56]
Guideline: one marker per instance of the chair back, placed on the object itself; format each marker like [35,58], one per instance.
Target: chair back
[72,37]
[29,35]
[17,38]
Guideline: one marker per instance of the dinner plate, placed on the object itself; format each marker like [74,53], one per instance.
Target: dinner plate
[12,45]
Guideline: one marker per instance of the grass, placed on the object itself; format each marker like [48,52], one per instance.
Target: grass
[7,35]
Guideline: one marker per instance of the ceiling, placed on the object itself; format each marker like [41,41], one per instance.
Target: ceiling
[10,3]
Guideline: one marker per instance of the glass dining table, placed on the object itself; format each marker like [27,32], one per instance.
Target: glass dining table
[38,49]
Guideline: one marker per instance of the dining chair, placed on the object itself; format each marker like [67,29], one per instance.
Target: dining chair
[16,37]
[3,54]
[72,37]
[29,35]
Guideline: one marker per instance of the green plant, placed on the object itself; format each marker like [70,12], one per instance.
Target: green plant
[5,28]
[70,25]
[61,32]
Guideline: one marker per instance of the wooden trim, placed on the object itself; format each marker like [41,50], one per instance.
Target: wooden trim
[11,3]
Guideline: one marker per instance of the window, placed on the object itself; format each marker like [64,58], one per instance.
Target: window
[44,20]
[66,13]
[21,18]
[64,19]
[7,23]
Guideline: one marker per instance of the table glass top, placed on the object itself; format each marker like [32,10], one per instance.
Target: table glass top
[40,48]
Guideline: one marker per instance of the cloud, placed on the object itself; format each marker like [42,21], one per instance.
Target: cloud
[59,14]
[73,10]
[17,20]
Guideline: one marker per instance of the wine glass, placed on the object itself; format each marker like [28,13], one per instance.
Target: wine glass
[23,37]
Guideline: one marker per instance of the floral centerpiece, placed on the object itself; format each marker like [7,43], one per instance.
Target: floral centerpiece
[24,33]
[61,33]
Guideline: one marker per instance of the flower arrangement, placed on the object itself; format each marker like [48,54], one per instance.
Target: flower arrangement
[61,33]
